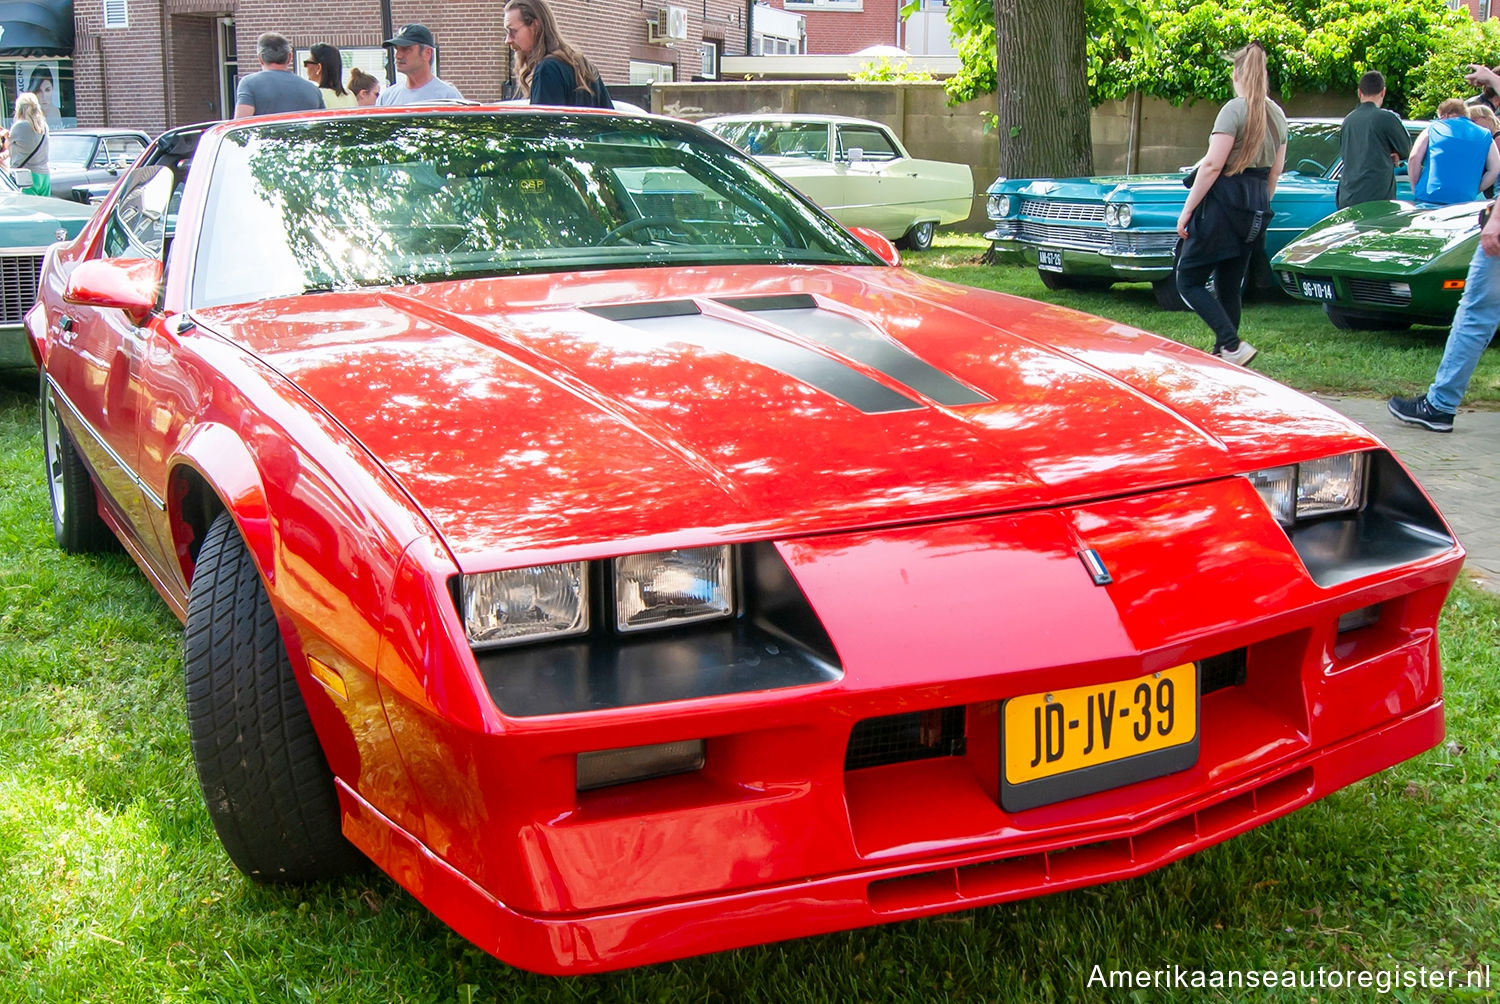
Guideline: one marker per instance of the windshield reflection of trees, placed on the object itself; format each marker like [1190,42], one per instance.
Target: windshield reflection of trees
[381,200]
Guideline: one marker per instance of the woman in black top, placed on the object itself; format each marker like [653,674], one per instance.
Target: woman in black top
[552,71]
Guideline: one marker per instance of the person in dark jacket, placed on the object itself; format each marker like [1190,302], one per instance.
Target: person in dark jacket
[1372,142]
[552,71]
[1229,204]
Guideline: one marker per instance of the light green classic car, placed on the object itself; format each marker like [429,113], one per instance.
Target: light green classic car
[29,224]
[856,170]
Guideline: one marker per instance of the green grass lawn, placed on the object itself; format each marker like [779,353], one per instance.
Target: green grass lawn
[1297,344]
[113,887]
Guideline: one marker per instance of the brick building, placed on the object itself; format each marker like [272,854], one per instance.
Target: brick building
[154,64]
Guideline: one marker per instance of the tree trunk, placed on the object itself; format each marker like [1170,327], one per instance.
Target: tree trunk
[1041,83]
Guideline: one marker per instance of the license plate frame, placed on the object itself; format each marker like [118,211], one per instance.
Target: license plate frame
[1029,729]
[1317,287]
[1049,259]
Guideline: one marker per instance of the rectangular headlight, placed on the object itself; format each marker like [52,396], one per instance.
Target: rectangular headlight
[526,604]
[1312,489]
[673,587]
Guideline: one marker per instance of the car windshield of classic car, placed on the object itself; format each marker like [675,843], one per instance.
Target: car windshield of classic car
[337,204]
[1312,147]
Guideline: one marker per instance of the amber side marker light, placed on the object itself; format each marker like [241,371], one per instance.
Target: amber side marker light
[1453,283]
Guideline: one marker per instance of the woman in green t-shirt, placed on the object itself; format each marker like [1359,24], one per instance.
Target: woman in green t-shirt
[1229,204]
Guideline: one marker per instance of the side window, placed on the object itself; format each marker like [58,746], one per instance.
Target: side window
[874,142]
[122,151]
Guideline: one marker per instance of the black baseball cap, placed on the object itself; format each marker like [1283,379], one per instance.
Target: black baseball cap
[412,34]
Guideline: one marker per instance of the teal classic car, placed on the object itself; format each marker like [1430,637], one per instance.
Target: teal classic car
[1384,264]
[1089,233]
[29,224]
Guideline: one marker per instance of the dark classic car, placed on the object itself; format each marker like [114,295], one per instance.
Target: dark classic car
[570,518]
[1384,264]
[29,224]
[1089,233]
[81,159]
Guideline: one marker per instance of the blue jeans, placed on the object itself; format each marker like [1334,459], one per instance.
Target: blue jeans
[1473,326]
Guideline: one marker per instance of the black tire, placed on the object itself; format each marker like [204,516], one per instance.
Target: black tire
[268,786]
[1346,321]
[919,236]
[1167,297]
[75,507]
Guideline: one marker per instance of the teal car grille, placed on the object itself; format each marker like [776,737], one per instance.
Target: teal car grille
[1096,239]
[18,278]
[1059,235]
[1048,209]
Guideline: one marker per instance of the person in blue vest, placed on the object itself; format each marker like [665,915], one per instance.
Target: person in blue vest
[1453,159]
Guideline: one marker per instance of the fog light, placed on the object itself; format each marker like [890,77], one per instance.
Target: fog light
[637,763]
[1361,618]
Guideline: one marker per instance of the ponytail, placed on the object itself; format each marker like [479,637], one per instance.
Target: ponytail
[1250,74]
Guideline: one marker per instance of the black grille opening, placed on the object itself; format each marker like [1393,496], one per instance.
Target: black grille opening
[1220,671]
[915,735]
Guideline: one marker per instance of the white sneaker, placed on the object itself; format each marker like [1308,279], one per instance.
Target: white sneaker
[1240,356]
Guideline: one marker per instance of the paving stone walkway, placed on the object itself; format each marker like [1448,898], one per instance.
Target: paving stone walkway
[1460,470]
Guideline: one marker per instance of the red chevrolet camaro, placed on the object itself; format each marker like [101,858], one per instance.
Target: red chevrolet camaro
[570,518]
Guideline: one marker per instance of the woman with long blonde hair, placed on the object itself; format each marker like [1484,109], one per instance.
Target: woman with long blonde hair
[1223,222]
[552,71]
[28,144]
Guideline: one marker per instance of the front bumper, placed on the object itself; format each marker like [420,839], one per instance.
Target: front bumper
[1418,299]
[1085,262]
[779,836]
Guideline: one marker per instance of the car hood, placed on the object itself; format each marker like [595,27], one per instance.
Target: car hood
[1404,240]
[538,417]
[1137,188]
[34,220]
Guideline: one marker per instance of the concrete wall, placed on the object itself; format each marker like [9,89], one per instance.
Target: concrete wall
[1166,137]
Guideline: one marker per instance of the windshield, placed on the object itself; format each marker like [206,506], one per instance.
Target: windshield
[70,151]
[338,203]
[1312,148]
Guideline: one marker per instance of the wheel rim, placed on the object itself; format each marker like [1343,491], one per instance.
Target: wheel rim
[922,234]
[52,450]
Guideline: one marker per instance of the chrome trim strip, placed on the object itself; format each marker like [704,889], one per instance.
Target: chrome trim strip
[135,479]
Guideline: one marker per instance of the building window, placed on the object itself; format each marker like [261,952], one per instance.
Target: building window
[774,45]
[115,14]
[651,73]
[710,60]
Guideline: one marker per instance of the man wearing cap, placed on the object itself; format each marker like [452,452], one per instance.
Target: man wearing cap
[276,87]
[415,49]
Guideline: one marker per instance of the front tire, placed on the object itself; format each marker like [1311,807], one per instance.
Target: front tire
[1167,297]
[76,523]
[268,786]
[919,236]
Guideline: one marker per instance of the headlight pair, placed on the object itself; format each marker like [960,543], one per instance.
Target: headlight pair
[998,206]
[1117,216]
[1299,492]
[660,589]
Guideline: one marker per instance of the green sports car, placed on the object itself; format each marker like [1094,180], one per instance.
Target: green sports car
[1384,264]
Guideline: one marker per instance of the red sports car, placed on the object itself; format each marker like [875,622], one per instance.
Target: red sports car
[570,518]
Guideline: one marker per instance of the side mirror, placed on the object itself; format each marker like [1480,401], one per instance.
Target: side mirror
[856,154]
[884,249]
[128,284]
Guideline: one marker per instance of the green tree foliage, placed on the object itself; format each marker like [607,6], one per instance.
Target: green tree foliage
[883,71]
[1169,48]
[1442,75]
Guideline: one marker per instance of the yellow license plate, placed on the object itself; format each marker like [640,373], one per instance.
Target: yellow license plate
[1068,743]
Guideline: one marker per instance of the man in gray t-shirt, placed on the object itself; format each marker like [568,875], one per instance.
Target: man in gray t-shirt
[415,49]
[277,87]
